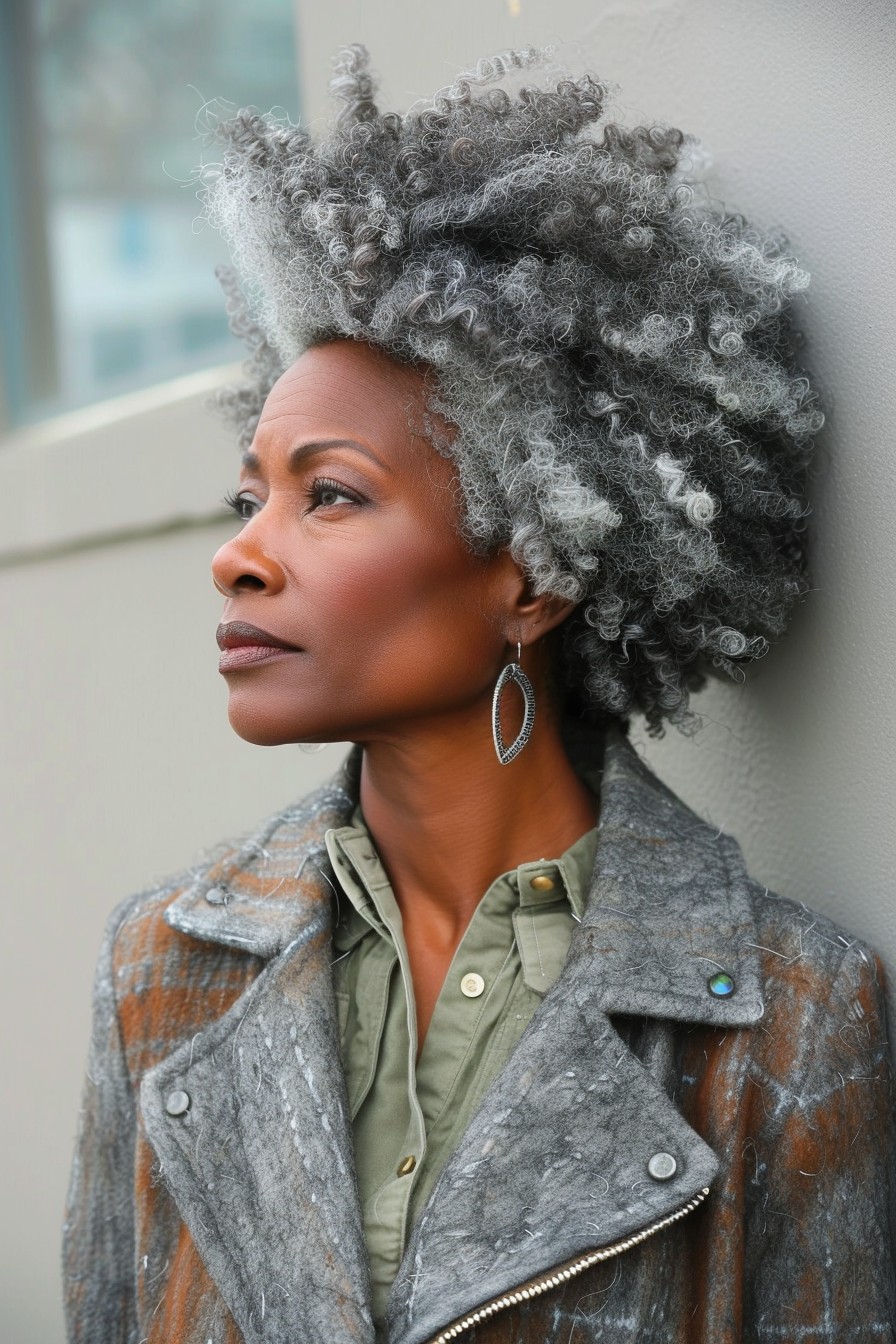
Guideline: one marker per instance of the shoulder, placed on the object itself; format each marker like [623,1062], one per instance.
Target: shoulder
[799,941]
[825,989]
[165,976]
[159,986]
[137,927]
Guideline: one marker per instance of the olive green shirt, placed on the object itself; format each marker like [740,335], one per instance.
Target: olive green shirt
[408,1114]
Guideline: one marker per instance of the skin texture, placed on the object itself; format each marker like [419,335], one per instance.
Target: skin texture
[354,554]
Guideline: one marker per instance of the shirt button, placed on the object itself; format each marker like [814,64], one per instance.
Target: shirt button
[662,1166]
[542,883]
[472,985]
[406,1166]
[177,1103]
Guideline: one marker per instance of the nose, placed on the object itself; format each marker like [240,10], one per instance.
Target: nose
[243,565]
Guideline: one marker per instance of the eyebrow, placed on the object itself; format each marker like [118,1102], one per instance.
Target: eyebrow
[303,451]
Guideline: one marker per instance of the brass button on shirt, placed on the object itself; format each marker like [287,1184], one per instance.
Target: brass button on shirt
[408,1114]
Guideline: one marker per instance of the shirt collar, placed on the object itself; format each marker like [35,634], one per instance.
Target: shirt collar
[668,892]
[362,879]
[362,885]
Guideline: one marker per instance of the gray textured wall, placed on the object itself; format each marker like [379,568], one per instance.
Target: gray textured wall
[118,761]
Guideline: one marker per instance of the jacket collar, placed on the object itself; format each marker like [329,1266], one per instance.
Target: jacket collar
[265,890]
[668,906]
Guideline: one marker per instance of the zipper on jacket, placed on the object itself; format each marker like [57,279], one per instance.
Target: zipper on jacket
[560,1275]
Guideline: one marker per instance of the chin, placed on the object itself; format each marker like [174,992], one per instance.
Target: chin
[260,735]
[263,729]
[263,726]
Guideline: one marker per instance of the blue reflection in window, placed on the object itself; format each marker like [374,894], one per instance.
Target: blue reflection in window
[121,288]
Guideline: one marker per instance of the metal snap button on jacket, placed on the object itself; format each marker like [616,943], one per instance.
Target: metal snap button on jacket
[177,1103]
[662,1166]
[472,985]
[217,896]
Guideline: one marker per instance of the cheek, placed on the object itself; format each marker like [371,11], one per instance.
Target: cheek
[408,611]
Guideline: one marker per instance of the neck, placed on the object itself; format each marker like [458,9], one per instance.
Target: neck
[447,818]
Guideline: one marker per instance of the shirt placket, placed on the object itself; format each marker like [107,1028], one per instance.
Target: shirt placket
[541,899]
[393,1199]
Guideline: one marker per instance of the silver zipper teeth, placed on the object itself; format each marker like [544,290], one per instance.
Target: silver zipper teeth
[542,1285]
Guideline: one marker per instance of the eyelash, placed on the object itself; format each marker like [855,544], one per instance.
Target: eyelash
[238,502]
[321,483]
[235,501]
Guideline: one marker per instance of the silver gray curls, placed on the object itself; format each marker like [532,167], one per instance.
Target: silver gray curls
[611,345]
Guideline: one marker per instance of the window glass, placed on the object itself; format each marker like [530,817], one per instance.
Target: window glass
[110,278]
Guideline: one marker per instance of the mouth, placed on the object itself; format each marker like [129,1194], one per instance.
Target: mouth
[243,645]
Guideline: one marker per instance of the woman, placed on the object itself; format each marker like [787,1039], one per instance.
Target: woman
[491,1038]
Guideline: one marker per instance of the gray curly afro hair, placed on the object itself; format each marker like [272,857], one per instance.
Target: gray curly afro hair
[611,346]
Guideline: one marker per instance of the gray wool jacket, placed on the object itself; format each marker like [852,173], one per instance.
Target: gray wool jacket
[655,1162]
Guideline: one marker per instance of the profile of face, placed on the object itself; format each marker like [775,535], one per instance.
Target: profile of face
[350,554]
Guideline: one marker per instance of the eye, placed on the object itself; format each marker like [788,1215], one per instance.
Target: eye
[324,493]
[243,505]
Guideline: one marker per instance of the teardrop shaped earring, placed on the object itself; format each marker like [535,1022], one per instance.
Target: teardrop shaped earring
[513,672]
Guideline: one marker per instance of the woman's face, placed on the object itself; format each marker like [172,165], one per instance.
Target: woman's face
[350,554]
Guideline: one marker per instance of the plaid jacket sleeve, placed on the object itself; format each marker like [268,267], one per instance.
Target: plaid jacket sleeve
[98,1233]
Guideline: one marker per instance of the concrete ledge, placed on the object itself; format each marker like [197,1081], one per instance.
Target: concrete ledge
[116,469]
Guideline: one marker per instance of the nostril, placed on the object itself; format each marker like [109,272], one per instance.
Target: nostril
[243,566]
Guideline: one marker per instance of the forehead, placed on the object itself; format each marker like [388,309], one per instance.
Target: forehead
[345,388]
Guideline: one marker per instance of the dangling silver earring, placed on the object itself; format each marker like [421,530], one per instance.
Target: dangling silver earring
[513,672]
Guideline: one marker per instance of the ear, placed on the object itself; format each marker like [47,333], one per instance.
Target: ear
[528,616]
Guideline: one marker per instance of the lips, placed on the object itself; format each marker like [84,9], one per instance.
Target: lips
[242,645]
[240,635]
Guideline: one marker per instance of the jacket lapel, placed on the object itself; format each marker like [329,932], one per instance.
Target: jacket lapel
[557,1162]
[257,1152]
